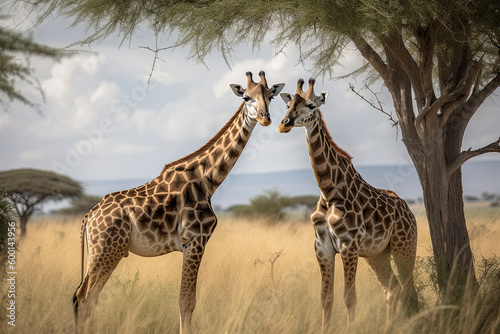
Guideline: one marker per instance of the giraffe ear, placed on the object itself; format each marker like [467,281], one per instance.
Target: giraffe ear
[322,98]
[237,89]
[286,97]
[276,89]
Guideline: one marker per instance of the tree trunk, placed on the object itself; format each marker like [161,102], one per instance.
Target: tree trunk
[443,200]
[433,138]
[23,221]
[450,240]
[431,147]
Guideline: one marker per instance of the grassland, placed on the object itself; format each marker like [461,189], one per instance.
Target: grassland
[254,278]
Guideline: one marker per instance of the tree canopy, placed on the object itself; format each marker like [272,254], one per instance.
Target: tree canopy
[322,30]
[27,189]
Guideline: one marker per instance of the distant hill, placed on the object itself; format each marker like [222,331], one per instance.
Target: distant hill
[239,188]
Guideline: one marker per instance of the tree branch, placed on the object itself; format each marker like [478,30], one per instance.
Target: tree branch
[460,95]
[395,45]
[433,107]
[156,51]
[475,100]
[379,107]
[454,165]
[371,56]
[427,39]
[448,101]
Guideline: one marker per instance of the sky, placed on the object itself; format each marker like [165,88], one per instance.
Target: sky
[101,120]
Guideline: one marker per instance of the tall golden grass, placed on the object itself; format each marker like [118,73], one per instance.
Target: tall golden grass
[254,278]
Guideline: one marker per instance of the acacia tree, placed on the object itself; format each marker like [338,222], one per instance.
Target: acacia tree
[28,189]
[439,60]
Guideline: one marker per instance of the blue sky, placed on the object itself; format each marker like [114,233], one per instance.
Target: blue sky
[101,121]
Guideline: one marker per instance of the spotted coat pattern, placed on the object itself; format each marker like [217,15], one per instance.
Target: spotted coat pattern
[353,218]
[172,212]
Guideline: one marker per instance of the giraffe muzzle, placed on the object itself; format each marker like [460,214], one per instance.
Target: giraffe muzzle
[286,125]
[264,118]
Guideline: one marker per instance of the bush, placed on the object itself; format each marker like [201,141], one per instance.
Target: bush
[5,210]
[267,206]
[478,311]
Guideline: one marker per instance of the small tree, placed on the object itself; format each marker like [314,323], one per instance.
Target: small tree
[269,205]
[28,189]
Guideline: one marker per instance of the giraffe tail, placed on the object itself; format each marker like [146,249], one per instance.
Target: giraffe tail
[82,242]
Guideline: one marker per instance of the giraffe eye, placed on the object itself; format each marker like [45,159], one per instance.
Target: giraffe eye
[247,98]
[311,106]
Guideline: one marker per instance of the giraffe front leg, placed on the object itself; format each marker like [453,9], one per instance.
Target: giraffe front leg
[325,254]
[326,261]
[350,262]
[187,297]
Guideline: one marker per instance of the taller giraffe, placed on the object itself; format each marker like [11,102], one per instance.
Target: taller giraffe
[352,217]
[172,212]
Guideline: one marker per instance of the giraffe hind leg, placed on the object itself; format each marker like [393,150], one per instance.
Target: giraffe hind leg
[75,301]
[409,296]
[88,292]
[404,252]
[381,266]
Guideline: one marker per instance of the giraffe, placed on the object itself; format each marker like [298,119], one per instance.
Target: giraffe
[170,213]
[352,217]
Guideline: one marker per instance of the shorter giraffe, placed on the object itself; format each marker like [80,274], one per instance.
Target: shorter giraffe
[352,218]
[171,213]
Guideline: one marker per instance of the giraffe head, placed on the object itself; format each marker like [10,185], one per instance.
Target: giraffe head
[302,107]
[257,97]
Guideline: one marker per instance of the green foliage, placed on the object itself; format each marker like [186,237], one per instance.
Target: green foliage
[476,313]
[39,183]
[5,210]
[15,48]
[269,206]
[27,189]
[80,205]
[321,30]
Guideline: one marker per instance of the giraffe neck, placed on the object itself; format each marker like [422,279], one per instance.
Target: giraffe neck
[214,160]
[331,165]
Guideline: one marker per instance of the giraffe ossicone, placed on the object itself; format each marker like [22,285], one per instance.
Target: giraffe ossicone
[172,212]
[352,218]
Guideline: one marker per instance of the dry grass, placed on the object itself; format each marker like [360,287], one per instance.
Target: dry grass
[236,292]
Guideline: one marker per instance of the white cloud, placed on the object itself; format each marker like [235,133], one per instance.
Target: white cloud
[73,76]
[32,155]
[105,93]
